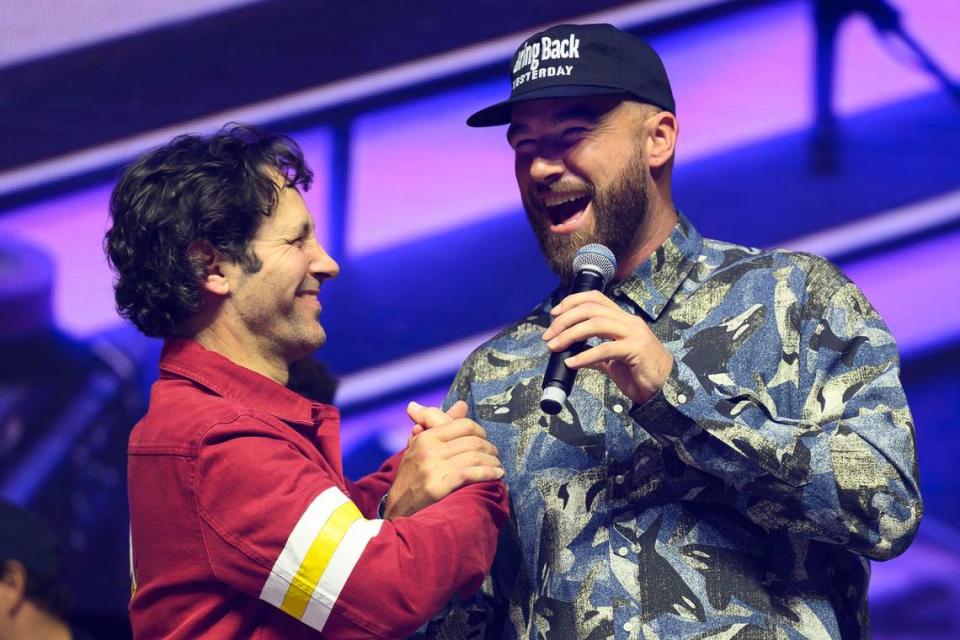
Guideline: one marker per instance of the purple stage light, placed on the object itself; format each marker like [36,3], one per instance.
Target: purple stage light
[915,290]
[417,170]
[738,79]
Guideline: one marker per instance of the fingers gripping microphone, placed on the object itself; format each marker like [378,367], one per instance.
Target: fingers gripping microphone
[594,266]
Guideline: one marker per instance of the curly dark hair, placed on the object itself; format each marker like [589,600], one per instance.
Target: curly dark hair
[194,188]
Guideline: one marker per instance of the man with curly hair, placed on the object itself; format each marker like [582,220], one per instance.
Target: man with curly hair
[242,523]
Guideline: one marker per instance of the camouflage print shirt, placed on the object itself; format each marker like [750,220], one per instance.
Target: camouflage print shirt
[741,501]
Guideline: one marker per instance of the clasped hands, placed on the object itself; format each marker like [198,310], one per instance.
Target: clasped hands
[446,451]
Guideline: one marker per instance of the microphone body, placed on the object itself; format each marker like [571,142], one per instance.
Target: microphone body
[594,266]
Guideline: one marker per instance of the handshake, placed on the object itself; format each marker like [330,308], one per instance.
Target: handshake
[446,451]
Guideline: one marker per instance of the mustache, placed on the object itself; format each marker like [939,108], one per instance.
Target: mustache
[565,185]
[309,287]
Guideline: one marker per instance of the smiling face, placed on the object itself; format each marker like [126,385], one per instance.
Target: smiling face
[581,172]
[275,309]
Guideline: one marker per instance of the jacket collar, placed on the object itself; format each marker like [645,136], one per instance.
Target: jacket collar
[188,359]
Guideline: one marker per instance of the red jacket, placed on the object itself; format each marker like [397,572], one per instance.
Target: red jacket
[243,525]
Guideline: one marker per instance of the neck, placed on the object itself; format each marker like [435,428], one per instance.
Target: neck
[238,350]
[657,227]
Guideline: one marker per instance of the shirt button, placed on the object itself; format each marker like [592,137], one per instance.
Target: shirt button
[618,408]
[622,551]
[618,479]
[681,398]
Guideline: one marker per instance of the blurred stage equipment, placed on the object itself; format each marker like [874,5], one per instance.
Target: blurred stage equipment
[828,15]
[66,407]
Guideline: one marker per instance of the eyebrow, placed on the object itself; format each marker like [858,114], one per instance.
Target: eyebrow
[574,113]
[302,230]
[579,113]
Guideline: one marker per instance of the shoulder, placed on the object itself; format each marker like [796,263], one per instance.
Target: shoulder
[807,270]
[183,413]
[727,254]
[732,276]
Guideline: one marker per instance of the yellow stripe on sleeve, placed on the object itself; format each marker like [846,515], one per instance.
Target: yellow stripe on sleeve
[317,558]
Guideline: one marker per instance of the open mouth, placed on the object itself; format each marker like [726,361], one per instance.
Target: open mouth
[565,209]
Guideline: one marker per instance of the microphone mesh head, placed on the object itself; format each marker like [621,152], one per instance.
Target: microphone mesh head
[598,258]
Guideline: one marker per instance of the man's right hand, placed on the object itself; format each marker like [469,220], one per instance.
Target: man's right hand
[451,451]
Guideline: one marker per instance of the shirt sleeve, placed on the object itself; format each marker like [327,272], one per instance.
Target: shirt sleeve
[278,527]
[824,449]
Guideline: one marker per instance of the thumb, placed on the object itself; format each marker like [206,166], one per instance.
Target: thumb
[427,417]
[458,410]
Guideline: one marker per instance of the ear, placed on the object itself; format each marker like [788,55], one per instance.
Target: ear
[13,586]
[202,253]
[661,139]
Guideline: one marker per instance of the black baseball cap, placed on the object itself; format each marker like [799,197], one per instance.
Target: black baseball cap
[25,538]
[571,60]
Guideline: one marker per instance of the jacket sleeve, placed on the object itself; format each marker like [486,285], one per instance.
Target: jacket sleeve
[290,535]
[824,449]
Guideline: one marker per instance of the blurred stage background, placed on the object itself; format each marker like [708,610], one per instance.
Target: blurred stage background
[423,214]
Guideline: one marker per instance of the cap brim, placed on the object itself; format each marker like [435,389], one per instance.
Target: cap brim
[499,113]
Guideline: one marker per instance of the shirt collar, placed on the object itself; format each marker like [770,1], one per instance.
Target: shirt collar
[652,284]
[189,359]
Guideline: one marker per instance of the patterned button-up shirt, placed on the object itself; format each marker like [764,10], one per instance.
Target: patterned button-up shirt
[741,501]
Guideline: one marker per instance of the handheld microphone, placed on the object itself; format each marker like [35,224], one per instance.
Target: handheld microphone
[594,266]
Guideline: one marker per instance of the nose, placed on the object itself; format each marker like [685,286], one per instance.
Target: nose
[321,264]
[546,169]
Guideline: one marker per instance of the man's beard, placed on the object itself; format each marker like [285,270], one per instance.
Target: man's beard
[619,211]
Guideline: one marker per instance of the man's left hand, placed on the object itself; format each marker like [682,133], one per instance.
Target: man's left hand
[631,355]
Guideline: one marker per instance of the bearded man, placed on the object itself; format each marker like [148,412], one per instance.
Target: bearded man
[737,445]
